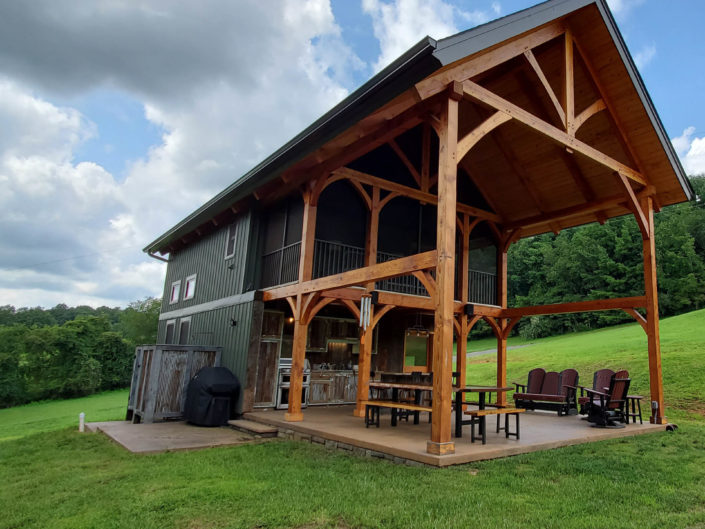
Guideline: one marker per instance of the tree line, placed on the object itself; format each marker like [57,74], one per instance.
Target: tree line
[67,352]
[597,262]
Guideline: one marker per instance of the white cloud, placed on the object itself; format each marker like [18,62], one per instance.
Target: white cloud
[691,151]
[401,23]
[621,8]
[227,82]
[644,56]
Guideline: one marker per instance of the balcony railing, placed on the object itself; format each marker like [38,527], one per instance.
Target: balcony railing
[483,288]
[282,266]
[333,258]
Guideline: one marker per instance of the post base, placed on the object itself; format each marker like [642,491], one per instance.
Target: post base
[658,420]
[293,417]
[440,449]
[359,412]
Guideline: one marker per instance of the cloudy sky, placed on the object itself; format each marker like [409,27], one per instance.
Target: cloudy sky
[120,117]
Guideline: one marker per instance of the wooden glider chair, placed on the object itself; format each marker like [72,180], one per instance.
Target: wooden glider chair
[600,382]
[549,391]
[608,409]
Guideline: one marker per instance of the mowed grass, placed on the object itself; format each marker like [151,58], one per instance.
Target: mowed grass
[64,479]
[624,346]
[53,415]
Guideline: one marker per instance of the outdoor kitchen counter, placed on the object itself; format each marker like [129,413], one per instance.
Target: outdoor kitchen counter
[331,386]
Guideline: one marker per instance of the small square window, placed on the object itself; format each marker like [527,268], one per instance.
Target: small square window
[175,291]
[230,243]
[190,289]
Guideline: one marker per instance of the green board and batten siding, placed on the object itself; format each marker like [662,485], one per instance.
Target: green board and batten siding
[224,311]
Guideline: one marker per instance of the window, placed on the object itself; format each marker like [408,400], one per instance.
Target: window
[175,291]
[230,243]
[190,288]
[418,352]
[170,327]
[184,327]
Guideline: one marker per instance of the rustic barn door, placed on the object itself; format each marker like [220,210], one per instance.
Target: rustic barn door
[268,361]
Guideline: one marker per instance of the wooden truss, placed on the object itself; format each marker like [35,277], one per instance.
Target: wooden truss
[437,106]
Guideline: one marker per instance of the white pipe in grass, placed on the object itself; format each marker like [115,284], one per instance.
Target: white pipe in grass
[81,422]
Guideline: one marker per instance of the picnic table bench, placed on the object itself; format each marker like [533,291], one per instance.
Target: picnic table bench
[372,410]
[479,416]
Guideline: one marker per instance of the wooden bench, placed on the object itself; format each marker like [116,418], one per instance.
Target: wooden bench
[478,416]
[372,410]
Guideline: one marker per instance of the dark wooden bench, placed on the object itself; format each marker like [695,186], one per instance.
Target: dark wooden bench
[549,391]
[479,416]
[372,410]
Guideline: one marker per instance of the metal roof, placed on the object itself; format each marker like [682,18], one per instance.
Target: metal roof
[421,60]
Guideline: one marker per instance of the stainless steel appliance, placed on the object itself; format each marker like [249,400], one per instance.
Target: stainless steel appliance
[284,383]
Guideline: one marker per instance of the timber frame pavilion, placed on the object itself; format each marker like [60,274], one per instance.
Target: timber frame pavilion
[546,115]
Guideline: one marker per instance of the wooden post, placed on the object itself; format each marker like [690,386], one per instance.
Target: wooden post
[372,233]
[502,339]
[298,357]
[464,280]
[308,236]
[652,321]
[364,363]
[440,442]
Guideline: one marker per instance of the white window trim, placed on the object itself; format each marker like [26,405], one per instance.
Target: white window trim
[193,292]
[166,330]
[173,299]
[177,335]
[232,227]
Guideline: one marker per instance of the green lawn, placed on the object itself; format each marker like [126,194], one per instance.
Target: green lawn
[62,479]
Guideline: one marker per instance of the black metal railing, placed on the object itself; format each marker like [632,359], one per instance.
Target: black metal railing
[281,266]
[401,284]
[333,258]
[482,287]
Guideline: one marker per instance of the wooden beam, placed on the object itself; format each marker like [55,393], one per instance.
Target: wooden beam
[568,82]
[612,115]
[487,59]
[410,192]
[597,106]
[527,119]
[638,317]
[479,132]
[565,213]
[427,281]
[377,272]
[579,306]
[405,160]
[372,233]
[536,67]
[573,168]
[634,205]
[352,307]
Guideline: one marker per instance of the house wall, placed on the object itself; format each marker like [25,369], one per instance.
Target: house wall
[225,309]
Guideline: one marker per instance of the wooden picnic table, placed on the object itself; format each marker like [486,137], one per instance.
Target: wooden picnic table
[482,392]
[418,389]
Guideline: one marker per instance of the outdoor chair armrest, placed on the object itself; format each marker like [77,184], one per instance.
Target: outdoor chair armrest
[594,392]
[518,385]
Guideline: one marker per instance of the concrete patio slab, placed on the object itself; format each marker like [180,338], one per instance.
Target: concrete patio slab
[539,431]
[171,435]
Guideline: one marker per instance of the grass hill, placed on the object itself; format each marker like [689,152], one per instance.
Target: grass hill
[623,346]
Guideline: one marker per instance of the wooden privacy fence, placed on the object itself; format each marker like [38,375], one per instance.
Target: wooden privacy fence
[160,375]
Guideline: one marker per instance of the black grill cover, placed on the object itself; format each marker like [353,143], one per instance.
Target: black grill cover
[210,395]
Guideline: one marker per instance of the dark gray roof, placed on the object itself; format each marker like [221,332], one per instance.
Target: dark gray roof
[420,61]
